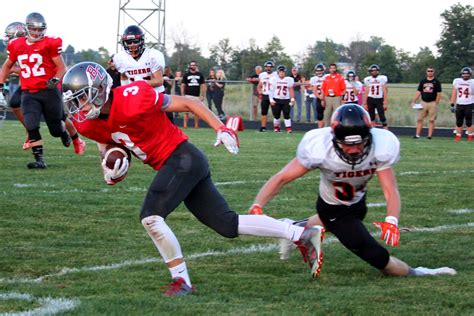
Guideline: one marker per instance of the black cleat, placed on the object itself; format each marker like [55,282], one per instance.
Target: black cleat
[66,139]
[263,129]
[38,164]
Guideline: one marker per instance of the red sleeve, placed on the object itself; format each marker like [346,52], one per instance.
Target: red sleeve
[12,55]
[56,46]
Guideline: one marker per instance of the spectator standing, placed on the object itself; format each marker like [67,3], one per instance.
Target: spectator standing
[42,67]
[218,94]
[332,90]
[462,102]
[281,98]
[168,79]
[253,79]
[113,72]
[193,84]
[210,87]
[178,78]
[297,89]
[430,91]
[376,94]
[318,106]
[263,92]
[309,99]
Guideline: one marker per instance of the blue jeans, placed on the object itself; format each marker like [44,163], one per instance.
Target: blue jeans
[310,104]
[298,107]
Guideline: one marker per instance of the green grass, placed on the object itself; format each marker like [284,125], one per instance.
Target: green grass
[237,101]
[66,217]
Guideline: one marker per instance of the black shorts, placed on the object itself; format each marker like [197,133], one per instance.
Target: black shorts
[281,105]
[376,104]
[265,104]
[15,99]
[185,176]
[46,102]
[345,222]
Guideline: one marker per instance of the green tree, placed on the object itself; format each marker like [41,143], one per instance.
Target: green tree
[456,45]
[275,51]
[386,58]
[221,54]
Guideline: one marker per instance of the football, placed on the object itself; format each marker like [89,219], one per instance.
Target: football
[112,152]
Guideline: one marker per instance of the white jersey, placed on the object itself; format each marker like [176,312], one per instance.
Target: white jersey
[280,88]
[264,78]
[149,62]
[375,86]
[340,184]
[465,91]
[317,81]
[350,95]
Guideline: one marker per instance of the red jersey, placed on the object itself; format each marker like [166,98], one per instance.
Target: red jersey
[35,60]
[137,121]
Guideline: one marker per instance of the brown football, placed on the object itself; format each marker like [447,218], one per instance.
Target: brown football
[112,152]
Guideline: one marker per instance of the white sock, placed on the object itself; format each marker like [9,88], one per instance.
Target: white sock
[181,271]
[288,122]
[276,123]
[265,226]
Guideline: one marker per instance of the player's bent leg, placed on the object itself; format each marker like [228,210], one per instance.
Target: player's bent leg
[396,267]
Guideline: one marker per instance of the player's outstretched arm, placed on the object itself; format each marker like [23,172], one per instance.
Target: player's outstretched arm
[292,171]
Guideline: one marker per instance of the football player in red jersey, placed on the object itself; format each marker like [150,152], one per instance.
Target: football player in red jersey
[42,66]
[134,115]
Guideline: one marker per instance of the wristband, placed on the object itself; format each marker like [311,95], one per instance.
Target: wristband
[392,220]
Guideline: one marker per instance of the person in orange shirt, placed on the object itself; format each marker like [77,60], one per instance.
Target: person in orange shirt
[332,90]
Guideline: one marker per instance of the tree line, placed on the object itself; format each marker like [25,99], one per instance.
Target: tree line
[455,50]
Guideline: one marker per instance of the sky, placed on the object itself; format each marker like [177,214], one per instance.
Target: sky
[90,24]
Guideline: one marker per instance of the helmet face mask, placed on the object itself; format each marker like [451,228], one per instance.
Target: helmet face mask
[35,27]
[14,30]
[86,87]
[350,75]
[374,70]
[352,139]
[466,73]
[319,70]
[133,41]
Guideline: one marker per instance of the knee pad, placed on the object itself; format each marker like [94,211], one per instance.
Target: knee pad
[56,129]
[34,135]
[163,238]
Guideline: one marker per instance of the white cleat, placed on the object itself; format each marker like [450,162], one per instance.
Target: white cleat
[438,271]
[285,248]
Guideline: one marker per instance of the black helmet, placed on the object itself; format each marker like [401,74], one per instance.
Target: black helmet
[33,22]
[133,40]
[466,71]
[83,83]
[374,67]
[281,68]
[350,124]
[350,73]
[269,63]
[14,30]
[319,67]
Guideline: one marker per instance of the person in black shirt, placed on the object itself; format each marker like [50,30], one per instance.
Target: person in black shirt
[297,88]
[218,94]
[430,91]
[253,79]
[193,84]
[113,72]
[211,84]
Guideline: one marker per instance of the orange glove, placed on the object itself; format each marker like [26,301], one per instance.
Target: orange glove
[390,232]
[256,209]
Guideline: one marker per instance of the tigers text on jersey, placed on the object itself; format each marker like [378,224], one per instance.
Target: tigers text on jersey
[317,81]
[340,184]
[375,86]
[136,120]
[264,78]
[149,62]
[280,87]
[350,95]
[35,60]
[464,91]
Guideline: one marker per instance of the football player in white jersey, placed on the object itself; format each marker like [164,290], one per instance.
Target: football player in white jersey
[282,98]
[348,154]
[137,62]
[462,102]
[263,89]
[376,94]
[352,88]
[316,81]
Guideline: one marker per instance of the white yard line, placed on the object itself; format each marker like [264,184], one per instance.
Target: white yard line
[210,253]
[48,305]
[461,211]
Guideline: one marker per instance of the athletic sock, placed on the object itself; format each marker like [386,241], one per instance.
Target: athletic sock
[181,271]
[265,226]
[75,136]
[38,152]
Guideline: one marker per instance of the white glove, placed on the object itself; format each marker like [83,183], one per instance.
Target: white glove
[229,138]
[112,176]
[292,102]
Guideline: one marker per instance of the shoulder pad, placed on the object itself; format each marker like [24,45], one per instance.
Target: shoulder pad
[386,146]
[314,147]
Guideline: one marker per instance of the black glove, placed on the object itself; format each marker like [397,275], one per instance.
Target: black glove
[453,108]
[51,84]
[2,89]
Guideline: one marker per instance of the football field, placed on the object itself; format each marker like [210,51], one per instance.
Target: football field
[72,245]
